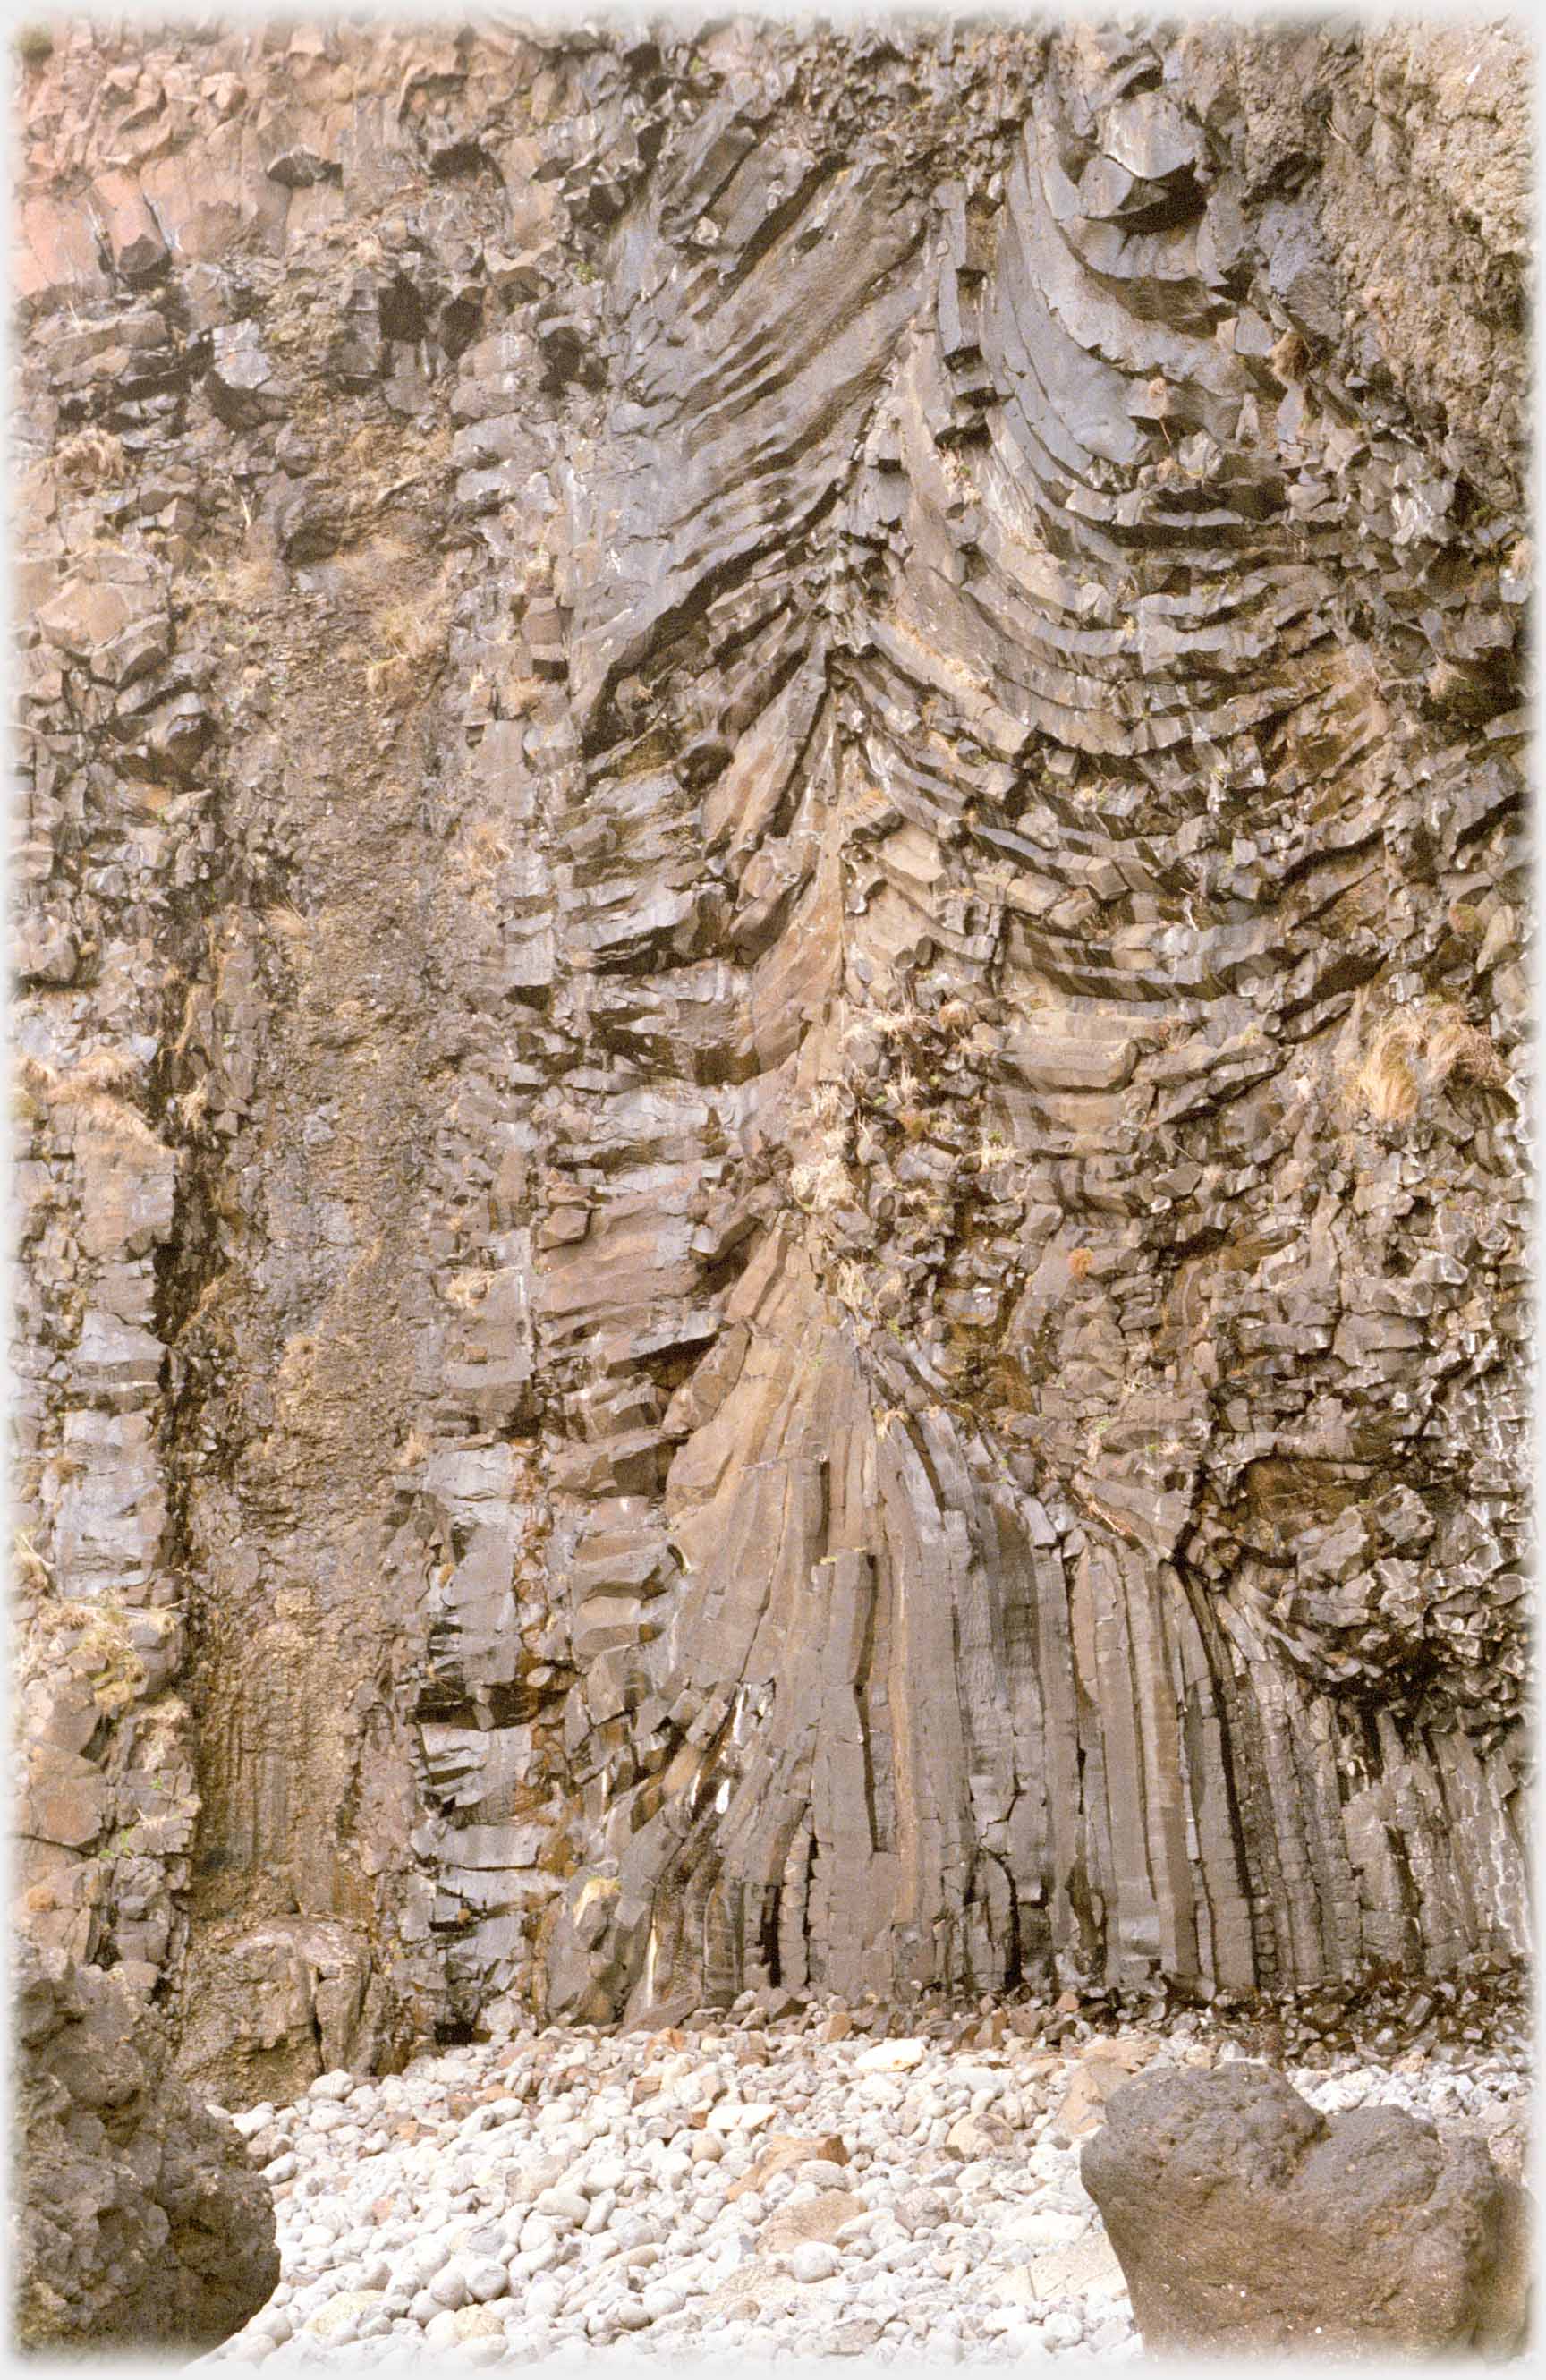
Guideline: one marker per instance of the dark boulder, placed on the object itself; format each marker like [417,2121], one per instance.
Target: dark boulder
[138,2223]
[1246,2220]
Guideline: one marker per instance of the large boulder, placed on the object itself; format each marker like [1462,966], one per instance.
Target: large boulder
[1246,2220]
[138,2222]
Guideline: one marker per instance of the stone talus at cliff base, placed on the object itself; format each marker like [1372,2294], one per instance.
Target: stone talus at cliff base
[770,906]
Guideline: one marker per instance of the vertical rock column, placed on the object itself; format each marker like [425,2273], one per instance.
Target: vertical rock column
[772,930]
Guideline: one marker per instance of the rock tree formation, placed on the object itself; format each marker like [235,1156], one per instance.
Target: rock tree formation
[771,916]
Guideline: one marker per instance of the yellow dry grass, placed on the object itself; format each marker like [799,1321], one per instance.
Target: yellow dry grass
[33,1571]
[194,1105]
[1413,1052]
[92,1089]
[852,1285]
[93,458]
[240,580]
[411,640]
[104,1653]
[823,1184]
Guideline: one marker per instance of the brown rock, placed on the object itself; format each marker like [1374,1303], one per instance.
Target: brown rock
[66,1800]
[140,2227]
[781,2151]
[830,1291]
[1082,2105]
[1245,2220]
[820,2218]
[342,2309]
[978,2136]
[277,2006]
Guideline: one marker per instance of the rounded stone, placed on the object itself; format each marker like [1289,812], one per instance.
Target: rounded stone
[449,2287]
[486,2279]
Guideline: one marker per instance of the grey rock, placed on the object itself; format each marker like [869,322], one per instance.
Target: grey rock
[245,389]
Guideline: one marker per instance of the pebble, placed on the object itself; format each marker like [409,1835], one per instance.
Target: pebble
[556,2193]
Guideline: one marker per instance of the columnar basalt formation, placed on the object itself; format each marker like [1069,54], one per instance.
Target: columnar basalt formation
[771,914]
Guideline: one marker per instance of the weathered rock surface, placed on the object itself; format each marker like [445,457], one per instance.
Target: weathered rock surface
[138,2222]
[1244,2219]
[772,910]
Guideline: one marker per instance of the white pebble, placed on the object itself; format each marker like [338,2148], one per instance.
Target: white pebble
[449,2288]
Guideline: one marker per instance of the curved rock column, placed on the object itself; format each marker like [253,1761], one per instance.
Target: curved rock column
[773,1013]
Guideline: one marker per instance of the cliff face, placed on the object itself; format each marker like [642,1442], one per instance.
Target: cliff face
[769,913]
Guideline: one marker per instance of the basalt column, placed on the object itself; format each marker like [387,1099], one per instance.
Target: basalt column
[776,1014]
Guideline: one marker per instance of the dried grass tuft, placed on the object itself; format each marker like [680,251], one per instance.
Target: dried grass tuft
[33,1574]
[822,1184]
[93,458]
[852,1285]
[93,1090]
[1414,1051]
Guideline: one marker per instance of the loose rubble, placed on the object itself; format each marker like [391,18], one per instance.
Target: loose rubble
[751,2185]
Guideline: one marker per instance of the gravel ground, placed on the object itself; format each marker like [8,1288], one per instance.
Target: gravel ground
[792,2189]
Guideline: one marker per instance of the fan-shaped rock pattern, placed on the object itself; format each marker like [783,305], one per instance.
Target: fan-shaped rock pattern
[801,939]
